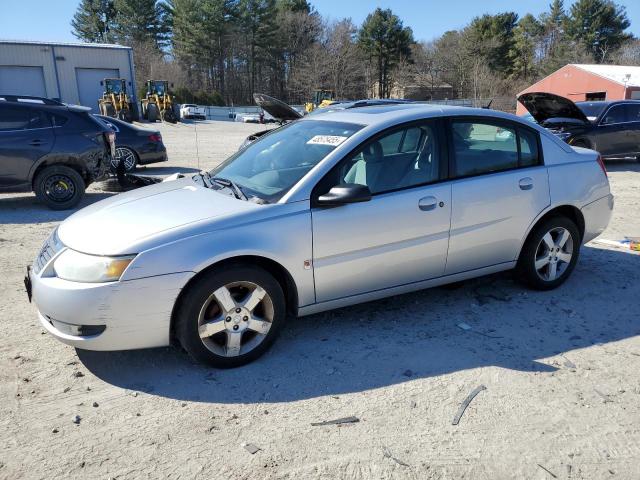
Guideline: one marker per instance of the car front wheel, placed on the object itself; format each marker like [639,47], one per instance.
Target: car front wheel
[550,253]
[231,315]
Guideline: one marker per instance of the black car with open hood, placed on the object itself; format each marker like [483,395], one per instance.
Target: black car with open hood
[612,128]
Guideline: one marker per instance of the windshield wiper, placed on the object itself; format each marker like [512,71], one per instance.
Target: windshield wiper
[234,187]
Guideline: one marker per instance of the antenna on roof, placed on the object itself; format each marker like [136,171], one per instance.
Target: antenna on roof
[488,105]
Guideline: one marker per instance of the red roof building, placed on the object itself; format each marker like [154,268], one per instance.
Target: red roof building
[589,82]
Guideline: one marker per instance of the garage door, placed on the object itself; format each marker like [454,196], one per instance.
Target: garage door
[16,80]
[89,88]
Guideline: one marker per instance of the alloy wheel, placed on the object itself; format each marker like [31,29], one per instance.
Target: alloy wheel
[125,155]
[553,254]
[235,319]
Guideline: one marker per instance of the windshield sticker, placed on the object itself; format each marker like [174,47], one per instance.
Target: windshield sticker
[331,140]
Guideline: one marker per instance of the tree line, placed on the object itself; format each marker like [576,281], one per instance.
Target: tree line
[223,51]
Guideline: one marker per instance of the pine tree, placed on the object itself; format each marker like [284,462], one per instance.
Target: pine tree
[599,25]
[139,22]
[93,21]
[385,40]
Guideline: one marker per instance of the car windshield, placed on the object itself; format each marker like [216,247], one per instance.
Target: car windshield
[591,110]
[270,166]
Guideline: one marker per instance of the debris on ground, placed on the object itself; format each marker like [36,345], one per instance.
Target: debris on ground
[387,454]
[95,404]
[338,421]
[547,470]
[407,373]
[76,419]
[466,403]
[568,363]
[78,374]
[251,448]
[605,397]
[464,326]
[485,293]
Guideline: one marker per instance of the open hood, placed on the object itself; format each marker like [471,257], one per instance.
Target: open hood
[277,109]
[543,106]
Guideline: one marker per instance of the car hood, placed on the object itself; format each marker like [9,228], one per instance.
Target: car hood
[116,225]
[276,108]
[543,106]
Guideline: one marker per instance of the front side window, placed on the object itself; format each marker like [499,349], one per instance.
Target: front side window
[615,114]
[404,158]
[270,166]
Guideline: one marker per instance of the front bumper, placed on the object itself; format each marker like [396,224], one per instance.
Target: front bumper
[108,316]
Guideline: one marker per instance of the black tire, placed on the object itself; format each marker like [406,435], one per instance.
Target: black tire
[536,249]
[167,115]
[195,301]
[152,112]
[110,111]
[59,187]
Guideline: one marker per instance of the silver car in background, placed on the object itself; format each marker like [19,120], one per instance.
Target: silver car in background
[331,210]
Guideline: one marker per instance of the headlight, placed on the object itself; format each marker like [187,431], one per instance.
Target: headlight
[79,267]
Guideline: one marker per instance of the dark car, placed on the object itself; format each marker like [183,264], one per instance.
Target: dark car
[284,113]
[52,149]
[135,145]
[612,128]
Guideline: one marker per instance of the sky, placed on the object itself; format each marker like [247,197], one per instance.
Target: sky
[48,20]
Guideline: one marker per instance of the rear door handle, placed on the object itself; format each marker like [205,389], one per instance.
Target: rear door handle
[526,183]
[427,203]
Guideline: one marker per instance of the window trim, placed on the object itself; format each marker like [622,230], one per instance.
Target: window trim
[437,123]
[498,122]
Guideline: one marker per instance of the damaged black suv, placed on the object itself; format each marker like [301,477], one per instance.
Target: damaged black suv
[50,148]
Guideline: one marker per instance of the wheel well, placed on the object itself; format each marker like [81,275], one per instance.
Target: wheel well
[280,273]
[568,211]
[74,164]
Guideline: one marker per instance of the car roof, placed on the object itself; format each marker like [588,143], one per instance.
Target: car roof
[401,112]
[606,102]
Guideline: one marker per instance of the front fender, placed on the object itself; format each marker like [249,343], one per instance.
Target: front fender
[284,239]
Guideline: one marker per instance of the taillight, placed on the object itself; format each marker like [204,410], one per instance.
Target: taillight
[155,137]
[601,163]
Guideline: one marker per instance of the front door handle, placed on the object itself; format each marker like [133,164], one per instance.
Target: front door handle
[526,183]
[427,203]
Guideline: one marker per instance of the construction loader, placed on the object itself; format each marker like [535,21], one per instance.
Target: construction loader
[321,98]
[158,102]
[114,101]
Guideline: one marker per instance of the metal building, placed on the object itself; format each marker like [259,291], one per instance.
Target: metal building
[70,72]
[589,82]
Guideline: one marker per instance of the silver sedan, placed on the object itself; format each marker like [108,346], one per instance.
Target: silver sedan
[330,210]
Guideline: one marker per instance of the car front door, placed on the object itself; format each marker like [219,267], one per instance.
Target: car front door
[398,237]
[611,135]
[26,134]
[499,187]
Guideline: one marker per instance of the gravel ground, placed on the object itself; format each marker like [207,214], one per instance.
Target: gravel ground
[561,370]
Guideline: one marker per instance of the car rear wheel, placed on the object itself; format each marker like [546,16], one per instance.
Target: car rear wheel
[550,253]
[59,187]
[231,315]
[127,156]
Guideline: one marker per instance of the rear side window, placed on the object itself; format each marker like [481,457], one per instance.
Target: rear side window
[633,112]
[528,148]
[615,114]
[481,147]
[13,118]
[58,120]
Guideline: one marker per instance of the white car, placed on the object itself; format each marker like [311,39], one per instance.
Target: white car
[190,111]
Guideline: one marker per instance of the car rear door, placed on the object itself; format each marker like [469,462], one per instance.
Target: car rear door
[26,135]
[499,187]
[398,237]
[633,128]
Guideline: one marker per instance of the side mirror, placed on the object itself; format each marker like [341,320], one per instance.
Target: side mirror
[345,193]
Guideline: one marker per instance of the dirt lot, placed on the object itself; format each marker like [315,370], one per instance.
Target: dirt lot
[561,370]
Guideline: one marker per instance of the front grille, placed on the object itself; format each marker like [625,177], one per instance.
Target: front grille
[50,247]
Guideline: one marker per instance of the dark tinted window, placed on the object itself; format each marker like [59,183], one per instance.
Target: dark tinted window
[413,161]
[591,110]
[528,148]
[483,147]
[36,119]
[13,118]
[615,114]
[633,112]
[58,120]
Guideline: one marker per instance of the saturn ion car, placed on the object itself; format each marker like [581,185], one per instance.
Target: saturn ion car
[332,210]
